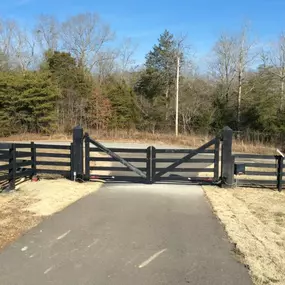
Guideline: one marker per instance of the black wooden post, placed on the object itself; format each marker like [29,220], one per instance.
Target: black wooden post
[34,158]
[153,164]
[217,160]
[72,176]
[78,151]
[227,158]
[87,157]
[148,165]
[13,167]
[280,160]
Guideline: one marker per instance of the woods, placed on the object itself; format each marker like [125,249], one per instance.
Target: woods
[58,74]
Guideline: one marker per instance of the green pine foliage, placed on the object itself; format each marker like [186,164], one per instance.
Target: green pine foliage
[28,102]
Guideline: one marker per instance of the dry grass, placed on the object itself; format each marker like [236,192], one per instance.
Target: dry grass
[25,208]
[255,222]
[191,140]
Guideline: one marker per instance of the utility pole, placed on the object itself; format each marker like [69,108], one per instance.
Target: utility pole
[177,95]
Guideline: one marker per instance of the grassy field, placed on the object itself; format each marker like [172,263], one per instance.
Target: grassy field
[255,222]
[145,137]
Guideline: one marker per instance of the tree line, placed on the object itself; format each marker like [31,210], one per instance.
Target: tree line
[61,74]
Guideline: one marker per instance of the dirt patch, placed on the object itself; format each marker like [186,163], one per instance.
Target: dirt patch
[25,208]
[255,222]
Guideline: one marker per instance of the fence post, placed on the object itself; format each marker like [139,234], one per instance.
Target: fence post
[34,158]
[217,160]
[87,157]
[13,166]
[153,164]
[78,151]
[280,160]
[227,158]
[148,165]
[72,176]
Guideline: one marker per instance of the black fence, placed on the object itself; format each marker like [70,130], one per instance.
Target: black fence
[19,160]
[87,159]
[259,170]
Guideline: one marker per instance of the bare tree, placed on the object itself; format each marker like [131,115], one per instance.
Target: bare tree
[126,55]
[274,59]
[17,45]
[105,64]
[245,56]
[223,68]
[47,31]
[85,36]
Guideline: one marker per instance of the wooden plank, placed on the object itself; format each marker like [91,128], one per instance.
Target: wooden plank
[169,150]
[257,156]
[20,154]
[192,160]
[28,172]
[23,145]
[260,173]
[52,146]
[53,163]
[121,150]
[60,155]
[260,165]
[5,167]
[53,171]
[4,156]
[114,168]
[256,182]
[24,163]
[112,159]
[188,179]
[5,145]
[192,170]
[4,177]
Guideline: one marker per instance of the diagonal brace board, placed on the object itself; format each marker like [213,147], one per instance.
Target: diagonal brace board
[118,158]
[185,158]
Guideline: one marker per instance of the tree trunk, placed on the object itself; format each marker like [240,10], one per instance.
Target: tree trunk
[282,94]
[239,101]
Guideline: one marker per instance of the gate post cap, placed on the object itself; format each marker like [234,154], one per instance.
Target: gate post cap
[78,127]
[227,128]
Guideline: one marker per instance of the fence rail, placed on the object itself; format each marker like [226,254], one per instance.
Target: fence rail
[19,160]
[259,170]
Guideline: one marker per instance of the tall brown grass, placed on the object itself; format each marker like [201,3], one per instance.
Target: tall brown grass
[189,140]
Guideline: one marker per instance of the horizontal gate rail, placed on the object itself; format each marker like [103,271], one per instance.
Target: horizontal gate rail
[52,146]
[193,160]
[114,149]
[129,159]
[183,150]
[190,170]
[114,168]
[182,160]
[118,158]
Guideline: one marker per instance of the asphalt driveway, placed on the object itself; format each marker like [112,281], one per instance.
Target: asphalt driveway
[127,234]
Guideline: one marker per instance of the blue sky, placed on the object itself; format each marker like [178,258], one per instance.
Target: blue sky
[202,20]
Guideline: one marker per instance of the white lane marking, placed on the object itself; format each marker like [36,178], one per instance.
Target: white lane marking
[63,235]
[93,243]
[56,254]
[48,270]
[24,248]
[31,256]
[148,261]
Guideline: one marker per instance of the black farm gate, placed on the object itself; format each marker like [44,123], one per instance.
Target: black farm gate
[150,165]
